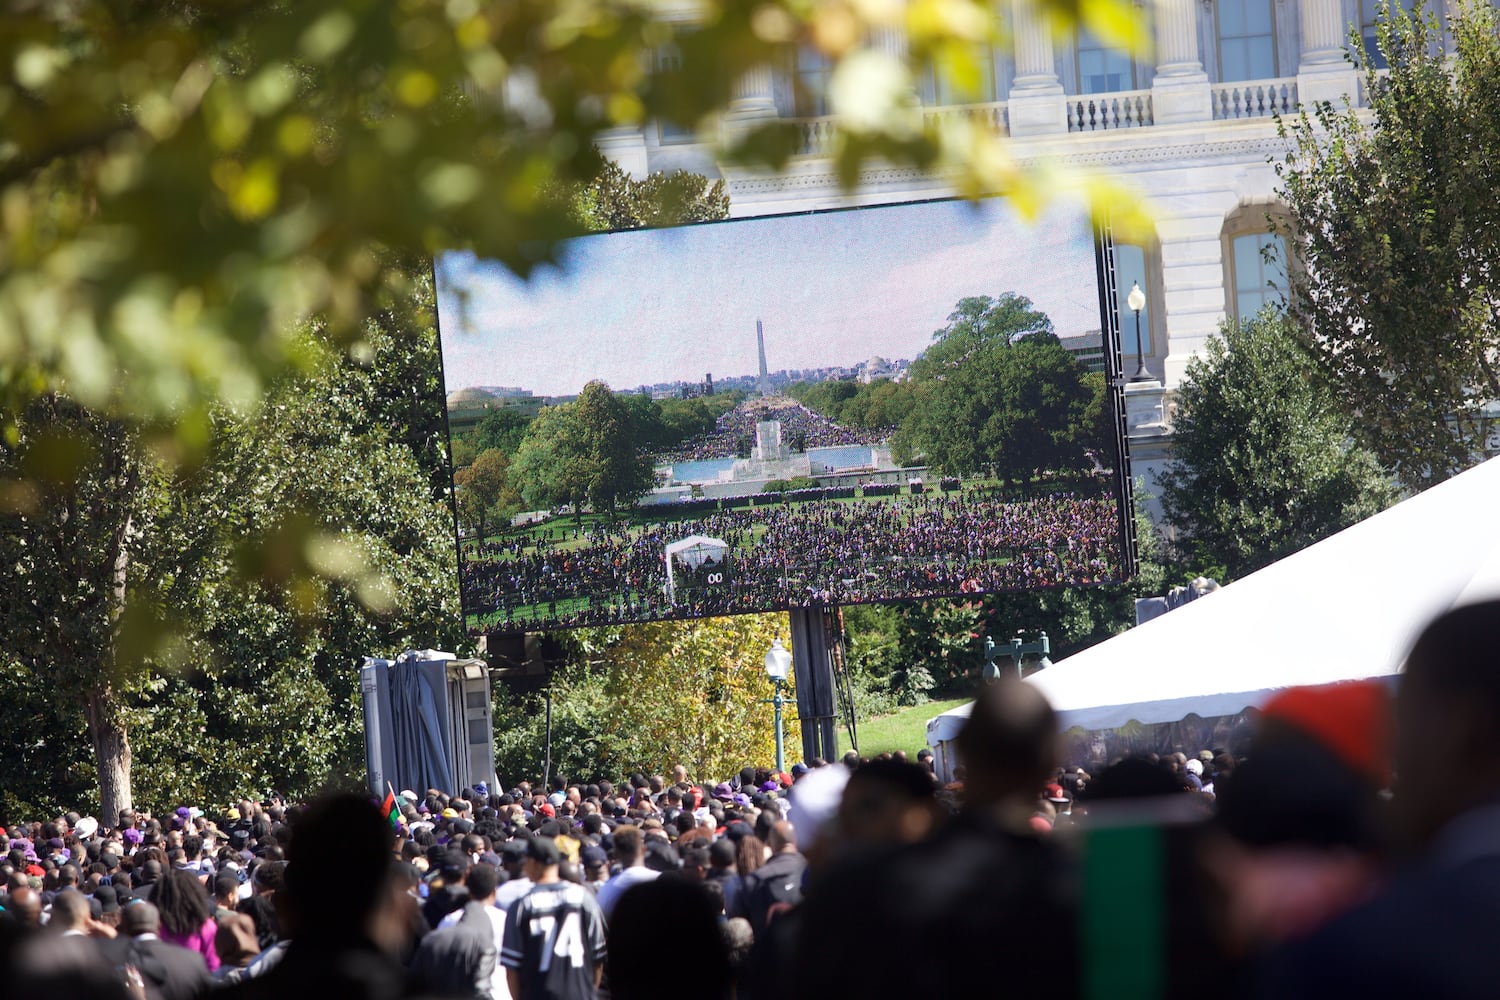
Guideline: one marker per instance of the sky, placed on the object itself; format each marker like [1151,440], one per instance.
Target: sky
[830,288]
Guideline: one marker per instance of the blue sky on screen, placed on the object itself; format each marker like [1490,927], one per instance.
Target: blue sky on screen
[833,288]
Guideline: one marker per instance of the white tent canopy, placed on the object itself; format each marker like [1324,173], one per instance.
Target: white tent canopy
[692,552]
[1346,608]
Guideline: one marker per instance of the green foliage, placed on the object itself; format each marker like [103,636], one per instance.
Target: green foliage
[996,392]
[904,651]
[614,200]
[254,583]
[501,429]
[1264,464]
[877,404]
[795,483]
[485,490]
[186,182]
[645,697]
[1396,228]
[588,450]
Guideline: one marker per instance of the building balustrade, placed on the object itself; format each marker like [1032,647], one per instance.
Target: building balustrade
[995,114]
[1254,98]
[1098,112]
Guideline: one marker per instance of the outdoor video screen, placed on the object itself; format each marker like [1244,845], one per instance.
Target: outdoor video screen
[838,407]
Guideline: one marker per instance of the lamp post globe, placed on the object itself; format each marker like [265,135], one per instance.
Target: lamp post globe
[1136,300]
[778,661]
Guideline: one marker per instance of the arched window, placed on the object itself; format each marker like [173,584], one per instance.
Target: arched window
[1247,40]
[1255,262]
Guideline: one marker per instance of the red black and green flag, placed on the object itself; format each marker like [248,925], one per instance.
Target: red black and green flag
[389,811]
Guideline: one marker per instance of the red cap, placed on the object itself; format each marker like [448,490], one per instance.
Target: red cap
[1353,719]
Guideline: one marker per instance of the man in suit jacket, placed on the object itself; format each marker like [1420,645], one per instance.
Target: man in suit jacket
[1430,933]
[170,971]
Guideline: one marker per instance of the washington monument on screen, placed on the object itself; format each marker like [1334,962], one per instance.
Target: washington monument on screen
[760,342]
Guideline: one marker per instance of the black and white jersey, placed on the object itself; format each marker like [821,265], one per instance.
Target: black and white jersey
[554,939]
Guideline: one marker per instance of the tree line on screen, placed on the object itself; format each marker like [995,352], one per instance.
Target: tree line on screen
[594,450]
[995,394]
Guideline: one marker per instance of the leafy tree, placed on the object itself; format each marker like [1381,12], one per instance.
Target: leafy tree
[233,169]
[502,428]
[484,487]
[252,586]
[1263,462]
[1397,231]
[996,391]
[615,200]
[979,318]
[619,468]
[550,466]
[82,592]
[190,186]
[645,697]
[586,450]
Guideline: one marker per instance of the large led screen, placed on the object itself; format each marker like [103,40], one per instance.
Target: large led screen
[830,408]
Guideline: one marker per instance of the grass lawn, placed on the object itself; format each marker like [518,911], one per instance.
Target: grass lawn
[903,730]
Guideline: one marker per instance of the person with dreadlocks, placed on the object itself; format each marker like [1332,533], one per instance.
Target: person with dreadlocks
[187,915]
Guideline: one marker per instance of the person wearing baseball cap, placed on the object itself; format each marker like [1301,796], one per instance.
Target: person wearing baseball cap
[554,935]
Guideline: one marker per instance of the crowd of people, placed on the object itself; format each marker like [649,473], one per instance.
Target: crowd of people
[1298,869]
[808,427]
[794,555]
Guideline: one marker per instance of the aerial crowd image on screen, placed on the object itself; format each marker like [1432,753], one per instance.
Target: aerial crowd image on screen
[830,408]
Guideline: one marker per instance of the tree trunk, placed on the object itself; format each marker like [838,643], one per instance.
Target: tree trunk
[105,715]
[111,752]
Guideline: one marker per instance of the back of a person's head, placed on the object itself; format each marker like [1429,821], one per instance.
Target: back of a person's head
[1447,710]
[911,781]
[481,881]
[139,918]
[684,912]
[1009,744]
[336,867]
[70,911]
[182,901]
[1457,654]
[721,853]
[782,836]
[628,843]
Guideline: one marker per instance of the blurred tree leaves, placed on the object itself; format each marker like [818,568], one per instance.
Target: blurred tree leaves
[181,184]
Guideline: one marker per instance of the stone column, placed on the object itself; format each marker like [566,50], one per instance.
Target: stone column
[1179,91]
[1323,72]
[752,103]
[1036,96]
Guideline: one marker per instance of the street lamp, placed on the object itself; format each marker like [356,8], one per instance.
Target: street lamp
[1136,300]
[1017,651]
[778,661]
